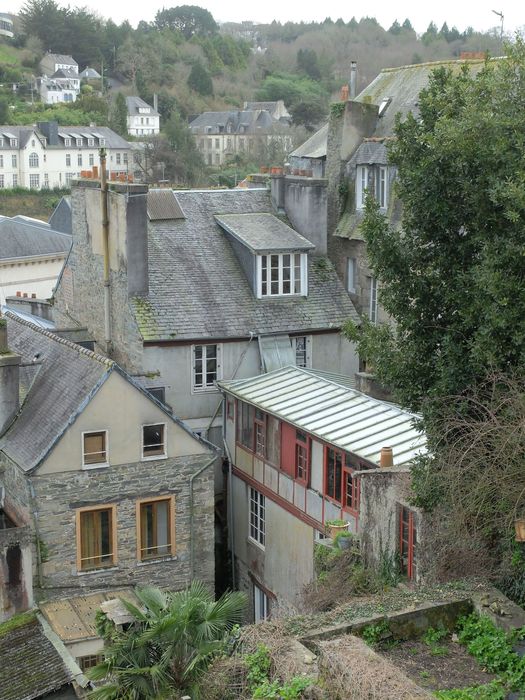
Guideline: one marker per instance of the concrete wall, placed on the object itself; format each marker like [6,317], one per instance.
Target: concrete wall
[285,565]
[382,491]
[305,204]
[37,276]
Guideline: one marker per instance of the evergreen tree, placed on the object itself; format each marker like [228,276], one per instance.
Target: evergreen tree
[119,116]
[200,80]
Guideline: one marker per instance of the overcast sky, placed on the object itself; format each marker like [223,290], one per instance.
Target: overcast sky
[477,14]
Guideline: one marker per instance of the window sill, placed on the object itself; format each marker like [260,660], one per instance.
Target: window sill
[260,546]
[152,458]
[102,570]
[205,390]
[87,467]
[158,560]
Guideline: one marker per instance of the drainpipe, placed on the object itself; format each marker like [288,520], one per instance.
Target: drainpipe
[105,243]
[192,527]
[243,355]
[230,499]
[34,515]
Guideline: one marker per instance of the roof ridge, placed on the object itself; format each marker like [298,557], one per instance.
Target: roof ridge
[64,341]
[444,61]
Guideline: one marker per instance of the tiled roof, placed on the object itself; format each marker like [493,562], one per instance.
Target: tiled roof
[61,58]
[163,205]
[263,232]
[249,120]
[314,147]
[30,666]
[197,288]
[371,152]
[67,375]
[21,239]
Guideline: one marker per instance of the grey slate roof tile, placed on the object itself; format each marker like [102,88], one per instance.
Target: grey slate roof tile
[67,377]
[197,288]
[22,239]
[30,666]
[263,232]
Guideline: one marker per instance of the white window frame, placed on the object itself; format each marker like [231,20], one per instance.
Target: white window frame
[261,604]
[380,175]
[307,350]
[198,388]
[257,518]
[15,180]
[14,161]
[351,275]
[264,287]
[95,465]
[361,184]
[34,181]
[33,160]
[1,159]
[2,185]
[68,160]
[149,458]
[67,142]
[372,311]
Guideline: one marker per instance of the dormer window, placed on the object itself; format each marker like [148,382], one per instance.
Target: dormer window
[282,274]
[102,142]
[91,142]
[13,143]
[79,142]
[67,142]
[375,178]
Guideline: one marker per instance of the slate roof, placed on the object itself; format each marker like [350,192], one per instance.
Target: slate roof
[61,58]
[163,205]
[133,104]
[249,120]
[22,239]
[66,377]
[403,85]
[314,147]
[30,665]
[263,232]
[90,73]
[197,288]
[22,133]
[371,152]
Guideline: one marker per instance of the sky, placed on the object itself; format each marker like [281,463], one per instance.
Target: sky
[477,14]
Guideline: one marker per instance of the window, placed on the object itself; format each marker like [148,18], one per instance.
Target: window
[102,142]
[257,523]
[377,176]
[407,542]
[15,180]
[33,160]
[351,274]
[79,159]
[260,433]
[13,143]
[91,142]
[261,604]
[154,441]
[301,345]
[95,448]
[13,161]
[46,181]
[125,158]
[206,366]
[1,161]
[281,274]
[351,486]
[96,537]
[156,528]
[68,159]
[2,185]
[69,177]
[217,143]
[87,662]
[91,159]
[302,457]
[159,392]
[245,424]
[118,158]
[67,142]
[333,473]
[34,182]
[372,314]
[79,143]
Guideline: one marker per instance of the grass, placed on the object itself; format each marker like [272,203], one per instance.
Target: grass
[17,621]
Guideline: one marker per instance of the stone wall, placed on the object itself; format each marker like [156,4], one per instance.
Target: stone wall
[58,496]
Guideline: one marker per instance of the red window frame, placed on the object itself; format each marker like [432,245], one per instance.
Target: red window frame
[302,457]
[351,490]
[407,542]
[259,433]
[331,488]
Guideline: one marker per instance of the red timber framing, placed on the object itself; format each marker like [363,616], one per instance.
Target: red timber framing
[407,542]
[340,485]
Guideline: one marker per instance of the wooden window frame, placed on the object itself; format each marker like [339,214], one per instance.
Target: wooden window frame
[149,458]
[326,493]
[95,465]
[259,527]
[78,516]
[171,527]
[259,427]
[353,506]
[302,446]
[411,542]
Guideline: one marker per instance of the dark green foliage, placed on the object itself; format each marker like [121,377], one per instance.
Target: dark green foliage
[188,19]
[308,64]
[200,80]
[119,115]
[169,645]
[373,635]
[175,155]
[453,279]
[4,110]
[305,98]
[260,685]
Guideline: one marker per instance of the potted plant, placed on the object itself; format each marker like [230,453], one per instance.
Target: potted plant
[333,527]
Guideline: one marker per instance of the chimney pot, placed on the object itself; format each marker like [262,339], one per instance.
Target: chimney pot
[353,79]
[387,457]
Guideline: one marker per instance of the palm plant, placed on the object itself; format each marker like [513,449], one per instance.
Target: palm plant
[169,644]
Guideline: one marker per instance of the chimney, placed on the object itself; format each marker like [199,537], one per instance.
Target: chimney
[353,79]
[155,102]
[50,131]
[387,458]
[9,380]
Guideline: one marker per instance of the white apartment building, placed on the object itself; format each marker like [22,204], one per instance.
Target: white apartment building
[60,81]
[143,120]
[48,155]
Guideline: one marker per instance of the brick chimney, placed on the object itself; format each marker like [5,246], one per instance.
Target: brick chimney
[9,380]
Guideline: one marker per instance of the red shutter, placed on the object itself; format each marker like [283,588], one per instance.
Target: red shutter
[288,449]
